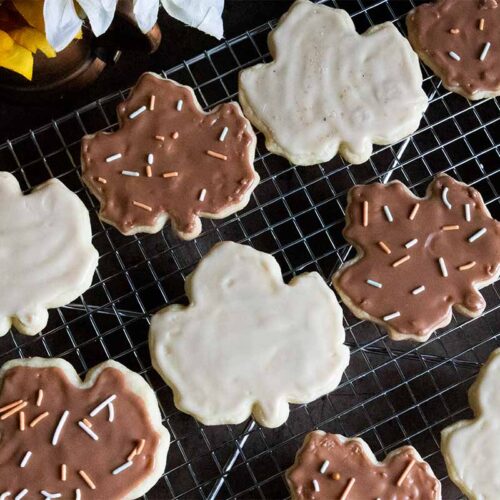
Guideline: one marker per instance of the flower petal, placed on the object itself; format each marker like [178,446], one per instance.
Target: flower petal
[100,13]
[146,13]
[14,57]
[33,40]
[32,11]
[61,21]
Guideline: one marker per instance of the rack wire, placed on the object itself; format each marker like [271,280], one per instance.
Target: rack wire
[392,393]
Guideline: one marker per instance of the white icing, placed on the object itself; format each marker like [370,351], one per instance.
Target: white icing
[331,88]
[46,253]
[248,343]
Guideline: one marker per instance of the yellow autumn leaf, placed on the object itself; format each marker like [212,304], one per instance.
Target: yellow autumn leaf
[33,40]
[14,57]
[32,11]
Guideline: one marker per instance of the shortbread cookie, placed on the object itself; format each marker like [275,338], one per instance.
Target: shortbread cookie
[460,41]
[170,160]
[248,344]
[100,439]
[470,447]
[418,257]
[330,466]
[46,253]
[332,90]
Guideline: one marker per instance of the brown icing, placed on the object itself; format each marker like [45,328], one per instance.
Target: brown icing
[421,313]
[348,459]
[75,448]
[429,31]
[226,182]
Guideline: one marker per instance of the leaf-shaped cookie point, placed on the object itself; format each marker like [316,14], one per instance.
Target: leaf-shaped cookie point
[470,447]
[170,160]
[332,90]
[330,466]
[248,344]
[46,255]
[418,257]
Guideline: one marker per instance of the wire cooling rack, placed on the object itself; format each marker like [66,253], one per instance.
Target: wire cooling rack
[393,393]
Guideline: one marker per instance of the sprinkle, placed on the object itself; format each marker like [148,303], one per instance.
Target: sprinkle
[39,399]
[152,100]
[203,193]
[405,472]
[325,465]
[122,467]
[336,476]
[466,267]
[348,488]
[22,421]
[454,55]
[481,24]
[132,454]
[393,315]
[131,173]
[175,135]
[87,479]
[11,405]
[401,261]
[78,494]
[450,228]
[454,31]
[414,211]
[89,431]
[114,157]
[143,206]
[140,446]
[102,180]
[88,423]
[485,51]
[159,138]
[477,235]
[166,175]
[418,290]
[151,158]
[444,197]
[315,485]
[388,214]
[411,243]
[149,172]
[14,410]
[102,405]
[376,284]
[38,419]
[46,494]
[60,425]
[21,494]
[180,102]
[442,265]
[214,154]
[4,495]
[384,247]
[111,410]
[63,472]
[25,459]
[365,213]
[467,212]
[223,134]
[137,112]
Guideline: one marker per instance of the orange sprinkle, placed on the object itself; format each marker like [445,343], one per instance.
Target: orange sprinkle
[140,446]
[219,156]
[63,472]
[348,488]
[87,479]
[102,180]
[152,103]
[14,410]
[450,228]
[149,173]
[170,174]
[39,418]
[159,138]
[336,476]
[467,266]
[414,211]
[142,205]
[133,453]
[481,24]
[401,261]
[22,421]
[406,472]
[39,399]
[175,135]
[384,247]
[88,423]
[365,213]
[11,405]
[454,31]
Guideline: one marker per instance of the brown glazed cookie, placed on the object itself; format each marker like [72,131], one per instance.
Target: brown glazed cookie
[460,41]
[418,257]
[170,160]
[330,466]
[61,438]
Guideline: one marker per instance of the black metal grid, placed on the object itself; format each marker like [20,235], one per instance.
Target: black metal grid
[391,394]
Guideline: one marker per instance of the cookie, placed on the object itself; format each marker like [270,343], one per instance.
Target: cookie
[248,344]
[170,160]
[418,257]
[459,40]
[46,255]
[332,90]
[330,466]
[101,438]
[470,447]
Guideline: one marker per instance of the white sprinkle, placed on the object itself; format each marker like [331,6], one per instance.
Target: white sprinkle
[130,173]
[89,431]
[114,157]
[388,214]
[59,427]
[411,243]
[484,53]
[325,465]
[223,134]
[180,102]
[376,284]
[418,290]
[442,265]
[137,112]
[454,55]
[151,158]
[393,315]
[111,409]
[26,459]
[122,467]
[4,495]
[477,235]
[21,494]
[46,494]
[203,193]
[103,405]
[78,494]
[316,485]
[444,197]
[467,212]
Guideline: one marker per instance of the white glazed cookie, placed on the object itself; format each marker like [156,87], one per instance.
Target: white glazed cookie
[46,253]
[470,447]
[332,90]
[248,343]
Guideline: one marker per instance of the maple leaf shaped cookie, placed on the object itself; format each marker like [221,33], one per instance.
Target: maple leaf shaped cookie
[46,253]
[330,466]
[64,438]
[170,160]
[460,41]
[470,447]
[418,257]
[332,90]
[248,344]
